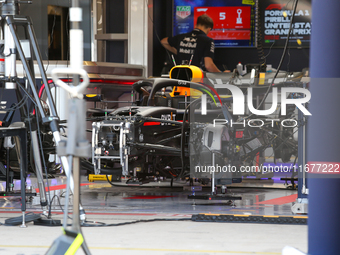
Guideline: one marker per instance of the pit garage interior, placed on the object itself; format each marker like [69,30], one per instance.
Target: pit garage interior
[108,146]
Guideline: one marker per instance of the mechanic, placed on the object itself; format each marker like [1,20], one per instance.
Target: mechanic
[195,47]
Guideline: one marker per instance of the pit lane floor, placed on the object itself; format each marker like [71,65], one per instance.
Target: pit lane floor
[122,203]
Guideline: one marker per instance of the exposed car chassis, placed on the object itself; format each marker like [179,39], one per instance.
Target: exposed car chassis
[154,138]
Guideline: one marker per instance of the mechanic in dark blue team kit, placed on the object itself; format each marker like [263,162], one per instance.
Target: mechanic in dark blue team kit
[195,47]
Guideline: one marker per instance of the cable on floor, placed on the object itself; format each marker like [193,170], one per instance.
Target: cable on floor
[102,224]
[58,199]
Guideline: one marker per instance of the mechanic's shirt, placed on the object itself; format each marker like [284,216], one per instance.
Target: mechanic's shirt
[195,43]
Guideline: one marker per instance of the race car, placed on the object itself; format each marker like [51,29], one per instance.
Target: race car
[180,126]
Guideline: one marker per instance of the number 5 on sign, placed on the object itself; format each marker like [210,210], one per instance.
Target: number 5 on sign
[222,15]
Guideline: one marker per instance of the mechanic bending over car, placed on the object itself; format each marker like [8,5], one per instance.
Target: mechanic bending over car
[195,47]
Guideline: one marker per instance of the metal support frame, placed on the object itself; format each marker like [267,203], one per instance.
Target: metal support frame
[10,22]
[213,194]
[301,205]
[96,154]
[17,20]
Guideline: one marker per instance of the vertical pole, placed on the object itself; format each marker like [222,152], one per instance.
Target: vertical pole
[76,193]
[39,171]
[323,137]
[301,158]
[76,60]
[7,170]
[23,173]
[213,191]
[75,26]
[76,51]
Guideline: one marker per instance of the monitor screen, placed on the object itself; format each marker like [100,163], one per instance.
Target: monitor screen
[275,20]
[234,24]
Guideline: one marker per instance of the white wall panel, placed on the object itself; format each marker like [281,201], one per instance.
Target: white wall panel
[138,29]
